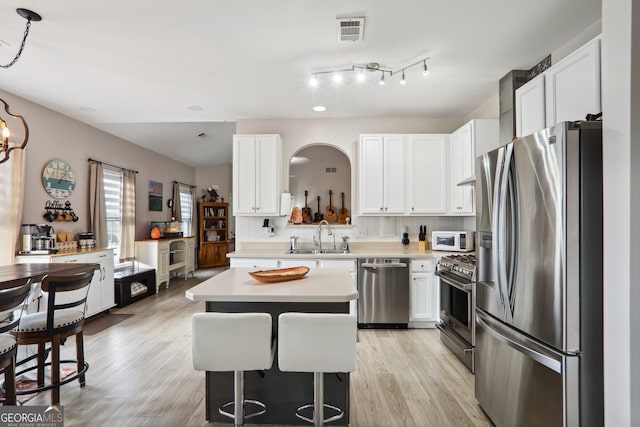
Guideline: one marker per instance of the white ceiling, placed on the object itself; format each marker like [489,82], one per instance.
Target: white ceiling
[139,65]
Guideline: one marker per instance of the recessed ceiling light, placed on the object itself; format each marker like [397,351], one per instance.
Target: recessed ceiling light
[195,108]
[88,109]
[319,108]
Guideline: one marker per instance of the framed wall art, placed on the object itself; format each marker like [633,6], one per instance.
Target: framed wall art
[155,196]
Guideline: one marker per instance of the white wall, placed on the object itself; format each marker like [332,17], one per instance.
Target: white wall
[490,109]
[577,41]
[621,133]
[55,136]
[312,176]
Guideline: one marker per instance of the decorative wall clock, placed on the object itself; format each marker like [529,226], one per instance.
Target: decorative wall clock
[58,179]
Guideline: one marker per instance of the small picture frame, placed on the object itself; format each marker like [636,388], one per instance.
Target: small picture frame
[155,196]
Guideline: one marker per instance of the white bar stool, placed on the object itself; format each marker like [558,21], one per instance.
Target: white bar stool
[319,343]
[235,342]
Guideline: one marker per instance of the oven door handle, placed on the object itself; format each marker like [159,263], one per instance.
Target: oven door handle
[466,287]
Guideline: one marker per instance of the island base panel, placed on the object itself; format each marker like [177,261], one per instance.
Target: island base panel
[282,392]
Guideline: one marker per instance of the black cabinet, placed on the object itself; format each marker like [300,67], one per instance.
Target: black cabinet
[133,285]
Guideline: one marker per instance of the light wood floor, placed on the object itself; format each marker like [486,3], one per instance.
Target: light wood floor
[141,374]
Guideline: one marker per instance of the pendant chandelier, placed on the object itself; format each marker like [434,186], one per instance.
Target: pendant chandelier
[8,144]
[29,16]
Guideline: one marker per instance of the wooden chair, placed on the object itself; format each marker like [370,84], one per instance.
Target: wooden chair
[64,317]
[12,297]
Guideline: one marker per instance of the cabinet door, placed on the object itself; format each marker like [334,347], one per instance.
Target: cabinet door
[462,167]
[244,174]
[296,262]
[371,174]
[427,176]
[221,254]
[102,297]
[94,293]
[530,107]
[424,298]
[573,85]
[394,174]
[268,176]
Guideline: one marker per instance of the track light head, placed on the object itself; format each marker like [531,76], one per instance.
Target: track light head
[403,81]
[425,71]
[381,82]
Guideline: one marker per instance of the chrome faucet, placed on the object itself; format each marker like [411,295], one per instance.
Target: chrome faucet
[318,242]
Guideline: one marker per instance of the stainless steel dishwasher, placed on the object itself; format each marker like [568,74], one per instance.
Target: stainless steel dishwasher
[383,285]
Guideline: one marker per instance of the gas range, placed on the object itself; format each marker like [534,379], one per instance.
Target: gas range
[457,275]
[461,265]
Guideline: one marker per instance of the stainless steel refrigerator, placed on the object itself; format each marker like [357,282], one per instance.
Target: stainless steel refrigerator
[539,289]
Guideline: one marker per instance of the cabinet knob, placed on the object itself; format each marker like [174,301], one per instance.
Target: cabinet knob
[381,208]
[413,209]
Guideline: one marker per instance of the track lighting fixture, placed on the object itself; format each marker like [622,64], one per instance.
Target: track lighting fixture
[425,71]
[29,16]
[373,67]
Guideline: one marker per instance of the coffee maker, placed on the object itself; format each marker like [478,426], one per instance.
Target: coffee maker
[38,239]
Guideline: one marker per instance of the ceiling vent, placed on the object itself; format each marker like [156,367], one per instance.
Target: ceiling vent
[350,29]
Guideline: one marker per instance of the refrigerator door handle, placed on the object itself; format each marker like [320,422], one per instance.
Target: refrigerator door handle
[495,226]
[503,282]
[547,360]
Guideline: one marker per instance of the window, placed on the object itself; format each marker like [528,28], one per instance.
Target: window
[112,181]
[186,209]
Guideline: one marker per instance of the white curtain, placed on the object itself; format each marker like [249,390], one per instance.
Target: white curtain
[11,201]
[176,211]
[128,227]
[97,207]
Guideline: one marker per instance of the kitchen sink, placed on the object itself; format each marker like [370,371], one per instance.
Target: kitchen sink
[316,251]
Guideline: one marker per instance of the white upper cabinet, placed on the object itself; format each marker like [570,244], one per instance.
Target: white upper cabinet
[472,139]
[567,91]
[427,174]
[381,172]
[257,174]
[573,85]
[530,107]
[462,167]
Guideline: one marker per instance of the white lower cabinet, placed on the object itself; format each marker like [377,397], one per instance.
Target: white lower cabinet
[101,294]
[423,294]
[167,256]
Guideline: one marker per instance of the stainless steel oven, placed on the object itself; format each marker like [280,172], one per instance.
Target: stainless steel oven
[457,305]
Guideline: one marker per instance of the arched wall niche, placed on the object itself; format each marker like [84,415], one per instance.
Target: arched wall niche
[318,168]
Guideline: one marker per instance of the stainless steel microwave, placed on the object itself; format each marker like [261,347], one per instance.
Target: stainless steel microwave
[452,241]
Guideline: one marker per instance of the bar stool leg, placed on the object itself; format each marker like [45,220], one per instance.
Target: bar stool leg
[42,356]
[80,357]
[318,399]
[55,370]
[238,389]
[10,383]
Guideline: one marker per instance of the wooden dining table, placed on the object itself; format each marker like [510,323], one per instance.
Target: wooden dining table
[36,272]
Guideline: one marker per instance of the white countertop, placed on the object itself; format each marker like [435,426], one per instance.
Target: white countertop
[358,250]
[235,285]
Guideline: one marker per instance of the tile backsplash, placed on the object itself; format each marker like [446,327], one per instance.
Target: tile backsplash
[373,229]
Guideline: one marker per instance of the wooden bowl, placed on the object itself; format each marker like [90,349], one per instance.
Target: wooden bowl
[280,274]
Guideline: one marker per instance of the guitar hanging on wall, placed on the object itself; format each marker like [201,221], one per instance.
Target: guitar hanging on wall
[343,213]
[306,211]
[318,216]
[330,212]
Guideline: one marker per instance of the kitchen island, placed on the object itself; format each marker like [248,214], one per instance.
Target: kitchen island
[320,291]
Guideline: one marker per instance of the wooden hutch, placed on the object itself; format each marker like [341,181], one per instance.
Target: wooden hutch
[213,228]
